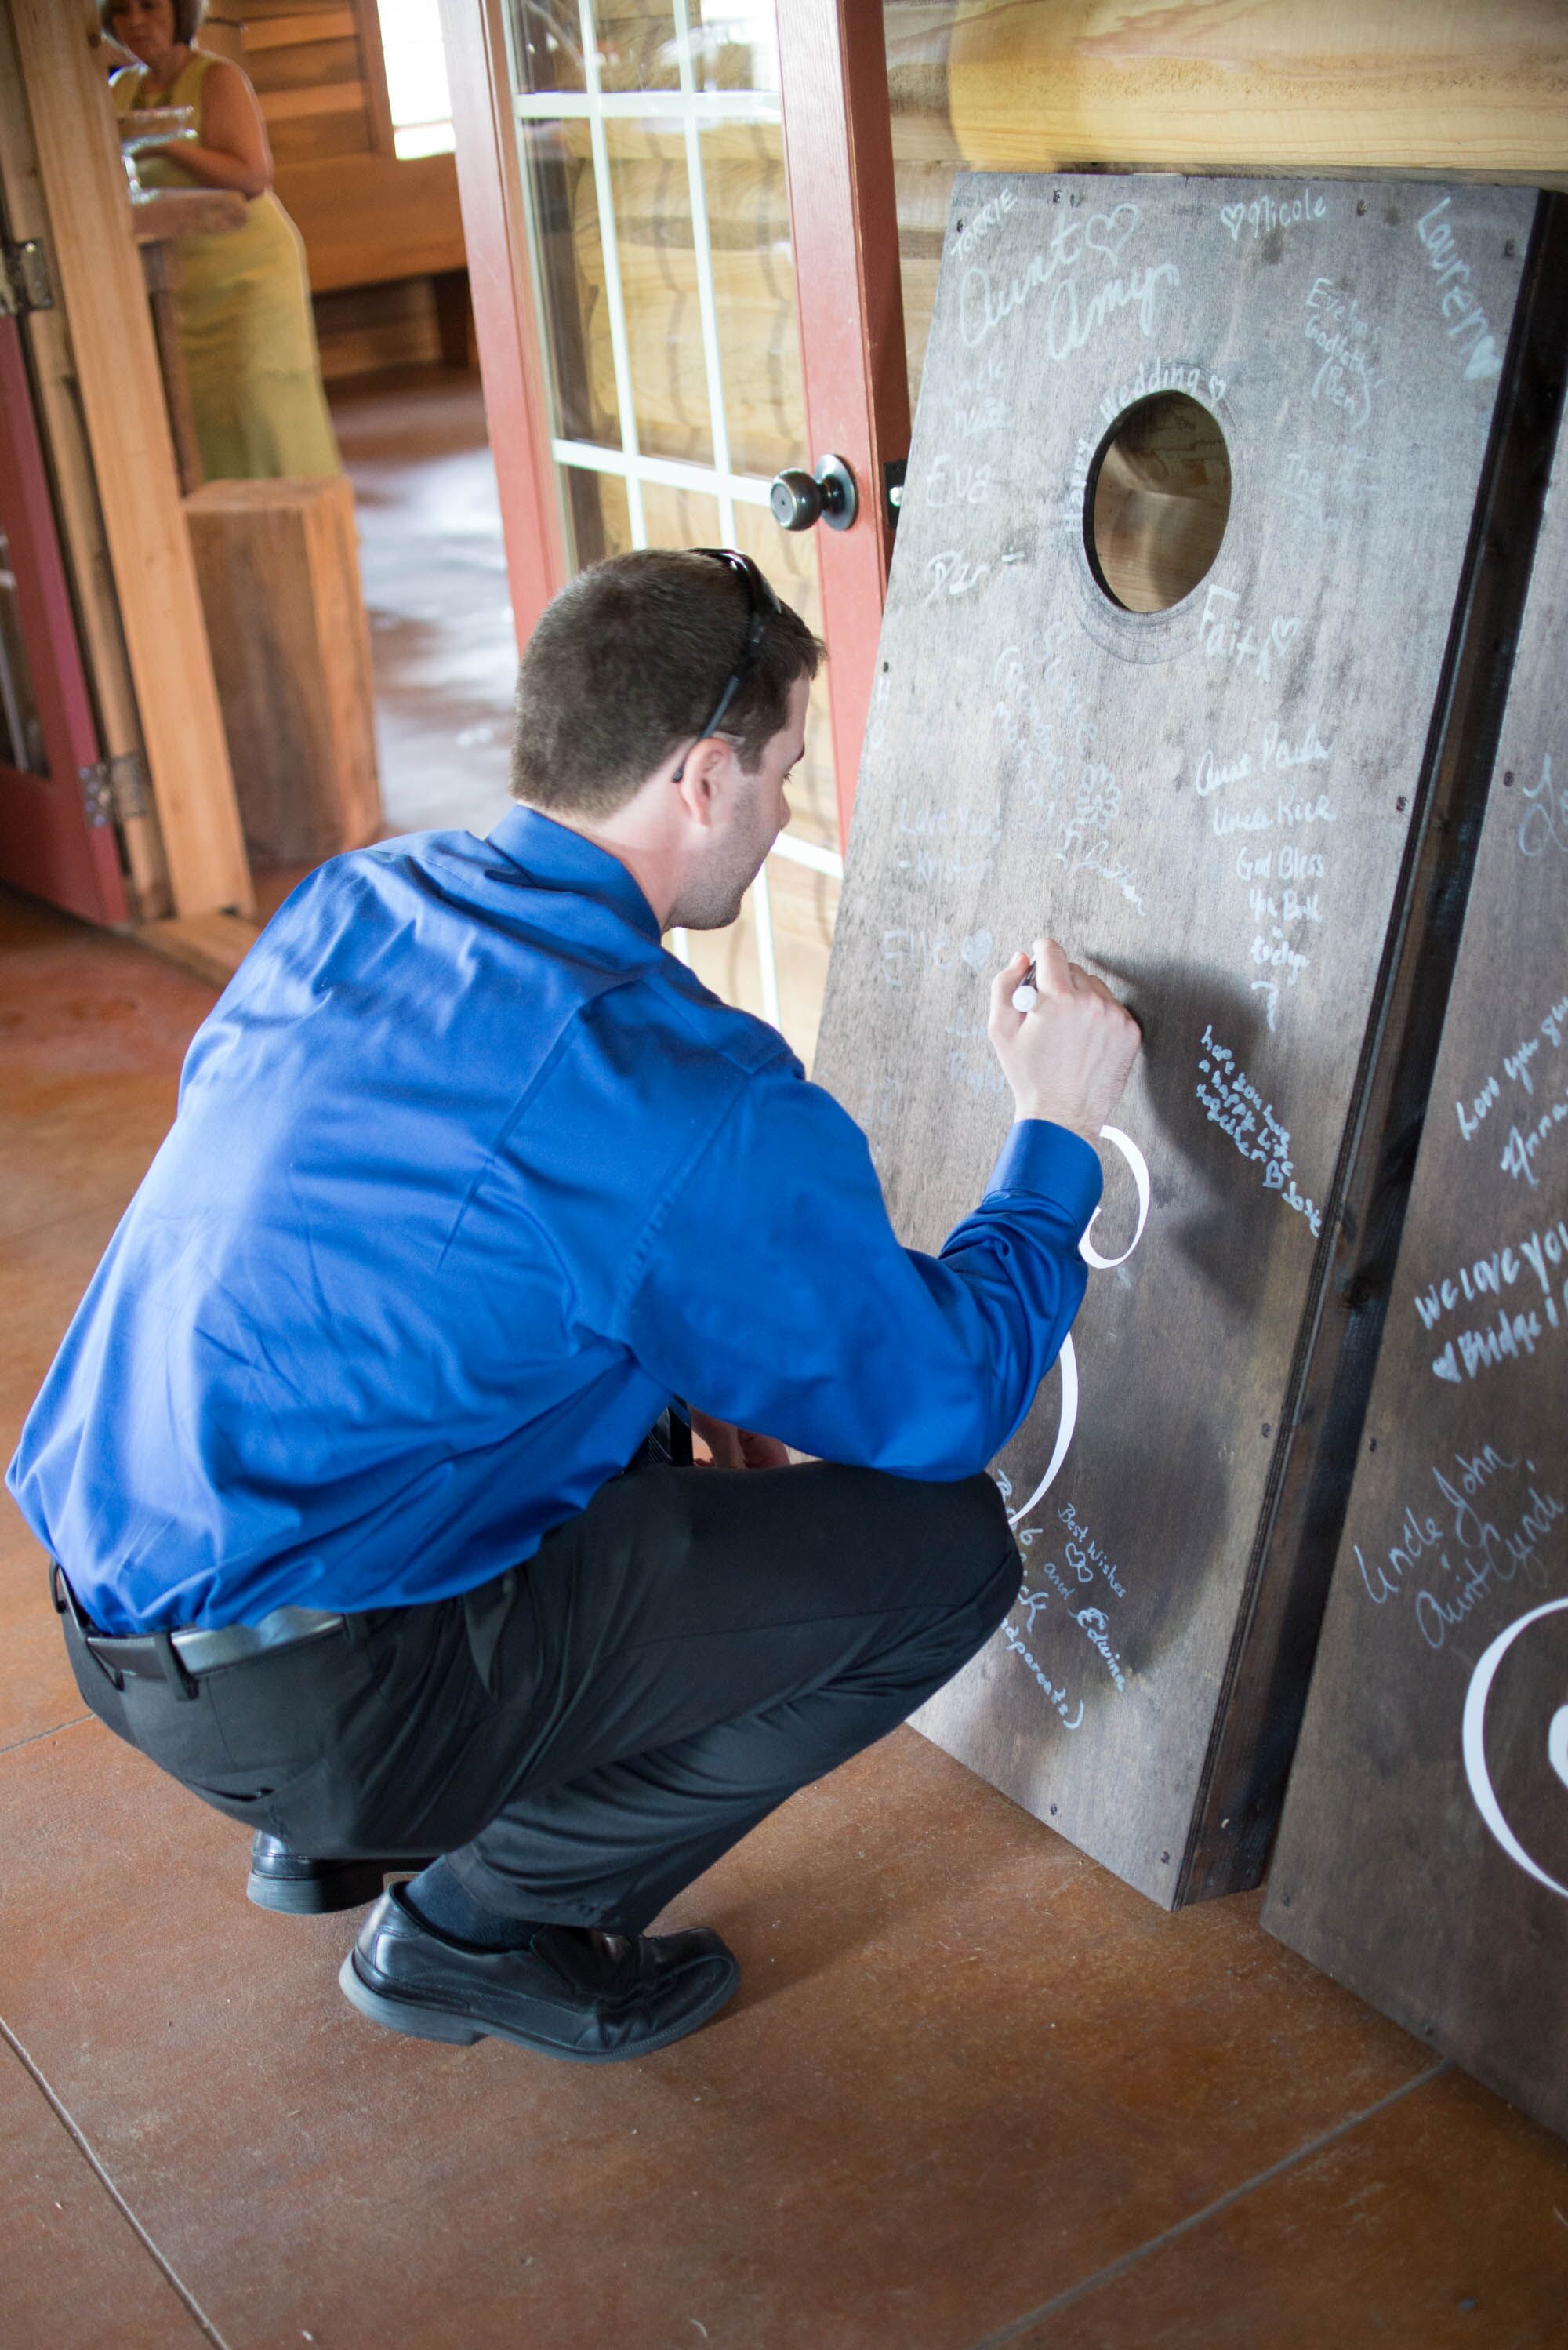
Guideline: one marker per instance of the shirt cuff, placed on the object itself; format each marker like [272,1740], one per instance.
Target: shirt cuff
[1040,1156]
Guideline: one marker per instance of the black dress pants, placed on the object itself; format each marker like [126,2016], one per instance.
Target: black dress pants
[587,1735]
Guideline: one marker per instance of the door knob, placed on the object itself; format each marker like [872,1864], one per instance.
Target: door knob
[798,499]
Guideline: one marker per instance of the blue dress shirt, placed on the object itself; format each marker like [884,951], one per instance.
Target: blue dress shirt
[469,1176]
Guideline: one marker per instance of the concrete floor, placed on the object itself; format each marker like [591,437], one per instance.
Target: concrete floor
[972,2090]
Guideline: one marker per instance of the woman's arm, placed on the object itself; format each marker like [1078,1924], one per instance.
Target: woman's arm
[233,151]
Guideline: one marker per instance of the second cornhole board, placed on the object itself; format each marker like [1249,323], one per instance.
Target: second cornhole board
[1423,1854]
[1212,805]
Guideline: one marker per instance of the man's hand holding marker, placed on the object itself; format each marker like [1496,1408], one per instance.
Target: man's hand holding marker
[1066,1047]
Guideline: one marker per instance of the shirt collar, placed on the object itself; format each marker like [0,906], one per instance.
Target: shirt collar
[554,854]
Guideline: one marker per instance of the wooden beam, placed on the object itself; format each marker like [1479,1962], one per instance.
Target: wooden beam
[98,277]
[76,495]
[1476,86]
[495,229]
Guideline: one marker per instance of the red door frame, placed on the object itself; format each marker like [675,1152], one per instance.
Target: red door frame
[838,155]
[47,845]
[501,282]
[844,228]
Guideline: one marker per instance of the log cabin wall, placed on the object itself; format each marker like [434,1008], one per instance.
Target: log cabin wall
[1467,89]
[368,217]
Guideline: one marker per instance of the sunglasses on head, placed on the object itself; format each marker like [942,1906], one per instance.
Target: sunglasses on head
[764,605]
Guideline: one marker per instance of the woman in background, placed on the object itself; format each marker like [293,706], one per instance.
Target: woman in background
[243,300]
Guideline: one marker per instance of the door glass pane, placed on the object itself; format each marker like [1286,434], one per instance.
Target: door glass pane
[733,45]
[635,45]
[789,559]
[652,198]
[570,261]
[599,517]
[679,517]
[548,45]
[627,278]
[754,295]
[21,734]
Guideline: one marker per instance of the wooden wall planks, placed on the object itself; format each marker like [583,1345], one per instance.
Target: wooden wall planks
[1392,1870]
[1213,805]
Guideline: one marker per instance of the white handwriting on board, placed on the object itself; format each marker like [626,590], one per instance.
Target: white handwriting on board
[1518,1068]
[953,482]
[986,299]
[1153,375]
[1453,1553]
[1347,374]
[953,573]
[1472,1744]
[1543,827]
[1265,214]
[1223,635]
[1514,1335]
[1233,1103]
[1320,486]
[1277,754]
[1468,329]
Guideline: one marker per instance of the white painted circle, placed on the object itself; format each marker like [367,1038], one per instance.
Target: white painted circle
[1067,1363]
[1139,1165]
[1473,1742]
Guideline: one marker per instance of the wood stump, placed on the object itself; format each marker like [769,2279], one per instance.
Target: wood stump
[279,573]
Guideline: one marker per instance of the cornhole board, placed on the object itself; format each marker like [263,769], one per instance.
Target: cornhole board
[1423,1853]
[1219,807]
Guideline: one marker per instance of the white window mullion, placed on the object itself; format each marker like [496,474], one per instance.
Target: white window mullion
[621,350]
[808,852]
[675,473]
[703,255]
[768,953]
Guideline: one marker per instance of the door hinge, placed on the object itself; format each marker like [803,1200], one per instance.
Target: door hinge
[25,280]
[115,790]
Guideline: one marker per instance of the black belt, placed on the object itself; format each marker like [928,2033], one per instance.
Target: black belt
[181,1657]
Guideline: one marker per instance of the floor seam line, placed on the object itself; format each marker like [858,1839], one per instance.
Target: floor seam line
[1125,2261]
[165,2267]
[72,1722]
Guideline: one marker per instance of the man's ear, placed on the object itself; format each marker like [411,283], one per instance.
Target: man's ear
[706,779]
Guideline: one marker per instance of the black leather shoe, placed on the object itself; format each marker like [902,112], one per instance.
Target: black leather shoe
[288,1881]
[592,1998]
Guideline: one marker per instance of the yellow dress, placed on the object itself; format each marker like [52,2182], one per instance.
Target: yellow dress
[243,304]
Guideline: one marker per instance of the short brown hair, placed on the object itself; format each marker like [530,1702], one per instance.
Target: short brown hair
[188,15]
[628,661]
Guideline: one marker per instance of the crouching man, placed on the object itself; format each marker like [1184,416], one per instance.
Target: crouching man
[348,1460]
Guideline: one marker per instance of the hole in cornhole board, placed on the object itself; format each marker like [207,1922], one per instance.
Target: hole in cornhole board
[1158,501]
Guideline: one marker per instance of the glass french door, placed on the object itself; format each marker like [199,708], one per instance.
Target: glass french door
[623,171]
[57,839]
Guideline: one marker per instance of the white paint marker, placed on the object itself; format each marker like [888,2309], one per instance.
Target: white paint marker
[1026,995]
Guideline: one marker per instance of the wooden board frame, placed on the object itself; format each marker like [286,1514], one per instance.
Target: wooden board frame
[954,768]
[98,282]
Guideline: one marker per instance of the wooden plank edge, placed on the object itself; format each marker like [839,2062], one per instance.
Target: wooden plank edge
[212,946]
